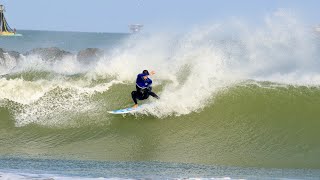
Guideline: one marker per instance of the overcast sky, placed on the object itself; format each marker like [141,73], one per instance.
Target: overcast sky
[115,15]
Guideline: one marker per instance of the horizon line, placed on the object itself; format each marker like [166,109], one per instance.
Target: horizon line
[72,31]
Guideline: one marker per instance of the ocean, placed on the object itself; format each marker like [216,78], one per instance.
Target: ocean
[235,103]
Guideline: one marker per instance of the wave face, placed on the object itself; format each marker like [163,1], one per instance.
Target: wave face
[230,94]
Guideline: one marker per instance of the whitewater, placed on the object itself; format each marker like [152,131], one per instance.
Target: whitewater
[237,101]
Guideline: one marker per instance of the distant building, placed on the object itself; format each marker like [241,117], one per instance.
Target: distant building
[134,28]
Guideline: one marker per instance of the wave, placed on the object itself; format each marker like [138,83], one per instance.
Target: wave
[246,125]
[230,94]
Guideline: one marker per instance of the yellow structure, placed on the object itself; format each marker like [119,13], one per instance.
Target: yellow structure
[5,29]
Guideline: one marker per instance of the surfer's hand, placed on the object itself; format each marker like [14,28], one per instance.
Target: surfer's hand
[135,106]
[152,73]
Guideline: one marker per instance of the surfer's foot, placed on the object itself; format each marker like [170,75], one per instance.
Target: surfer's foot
[135,106]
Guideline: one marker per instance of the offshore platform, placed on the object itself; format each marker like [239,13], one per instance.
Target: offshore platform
[135,28]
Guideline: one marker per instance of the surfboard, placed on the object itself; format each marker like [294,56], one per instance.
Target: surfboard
[10,35]
[126,110]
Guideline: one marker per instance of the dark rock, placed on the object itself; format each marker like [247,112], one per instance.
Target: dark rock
[49,54]
[90,54]
[14,54]
[8,62]
[1,53]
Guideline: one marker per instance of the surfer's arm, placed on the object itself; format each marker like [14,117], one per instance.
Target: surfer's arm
[152,73]
[148,80]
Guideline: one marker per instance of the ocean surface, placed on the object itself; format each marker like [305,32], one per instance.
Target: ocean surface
[237,102]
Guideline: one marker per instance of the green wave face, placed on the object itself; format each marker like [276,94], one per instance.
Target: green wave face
[230,94]
[256,124]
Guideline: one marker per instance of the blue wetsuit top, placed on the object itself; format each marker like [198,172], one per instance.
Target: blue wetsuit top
[141,83]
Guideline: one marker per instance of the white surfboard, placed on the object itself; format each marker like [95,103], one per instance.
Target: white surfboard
[126,110]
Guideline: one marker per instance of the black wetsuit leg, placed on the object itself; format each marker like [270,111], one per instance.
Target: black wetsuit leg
[134,96]
[149,90]
[139,94]
[142,94]
[153,95]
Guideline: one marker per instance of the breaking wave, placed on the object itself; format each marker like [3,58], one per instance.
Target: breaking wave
[245,95]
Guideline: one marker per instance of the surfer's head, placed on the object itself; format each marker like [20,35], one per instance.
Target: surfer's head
[146,72]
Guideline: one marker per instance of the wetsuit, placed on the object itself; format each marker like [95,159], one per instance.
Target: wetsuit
[144,89]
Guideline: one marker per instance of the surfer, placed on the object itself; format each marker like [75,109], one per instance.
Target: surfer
[143,86]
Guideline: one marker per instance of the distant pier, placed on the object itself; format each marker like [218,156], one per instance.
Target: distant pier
[135,28]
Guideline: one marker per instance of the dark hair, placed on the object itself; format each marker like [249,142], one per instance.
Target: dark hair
[145,72]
